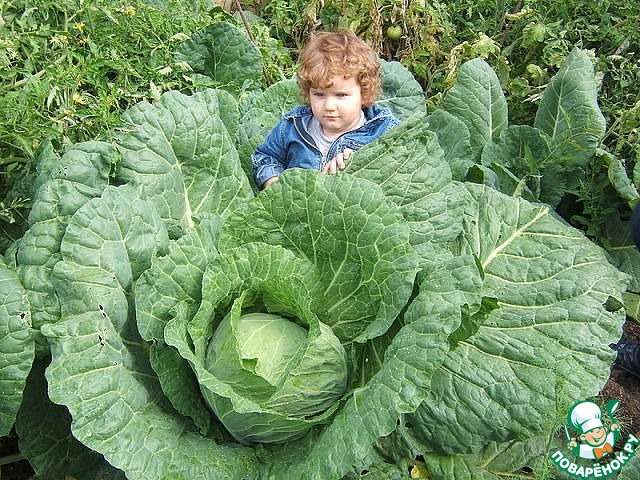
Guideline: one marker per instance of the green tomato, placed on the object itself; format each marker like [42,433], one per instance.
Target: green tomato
[394,32]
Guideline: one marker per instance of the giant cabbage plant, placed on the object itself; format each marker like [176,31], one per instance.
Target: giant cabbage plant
[184,326]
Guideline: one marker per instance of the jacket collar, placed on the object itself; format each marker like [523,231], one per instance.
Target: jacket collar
[370,113]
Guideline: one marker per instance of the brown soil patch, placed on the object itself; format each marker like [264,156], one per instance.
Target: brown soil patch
[625,387]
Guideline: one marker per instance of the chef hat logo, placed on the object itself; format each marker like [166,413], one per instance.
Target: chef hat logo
[585,416]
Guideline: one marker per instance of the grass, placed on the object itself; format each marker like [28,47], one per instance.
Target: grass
[71,67]
[69,70]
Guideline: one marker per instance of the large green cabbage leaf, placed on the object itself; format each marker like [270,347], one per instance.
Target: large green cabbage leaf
[631,469]
[81,174]
[399,386]
[349,231]
[181,154]
[469,317]
[49,445]
[416,177]
[550,158]
[505,374]
[477,99]
[106,363]
[224,54]
[17,345]
[569,113]
[401,93]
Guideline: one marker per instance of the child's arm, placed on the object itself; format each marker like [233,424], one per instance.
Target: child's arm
[269,158]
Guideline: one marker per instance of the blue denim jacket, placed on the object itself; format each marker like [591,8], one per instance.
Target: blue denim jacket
[290,145]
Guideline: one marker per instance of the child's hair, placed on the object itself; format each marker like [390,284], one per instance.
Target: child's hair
[328,54]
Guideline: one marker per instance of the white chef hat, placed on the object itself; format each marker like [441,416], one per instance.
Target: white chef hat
[585,416]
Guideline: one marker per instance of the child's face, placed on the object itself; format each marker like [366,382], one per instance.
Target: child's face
[338,108]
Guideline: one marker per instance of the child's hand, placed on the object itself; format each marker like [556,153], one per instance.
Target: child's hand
[269,182]
[337,162]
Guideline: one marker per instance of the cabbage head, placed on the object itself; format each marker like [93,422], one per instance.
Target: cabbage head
[282,376]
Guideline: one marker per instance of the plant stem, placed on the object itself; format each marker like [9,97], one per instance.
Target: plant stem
[252,38]
[507,28]
[16,457]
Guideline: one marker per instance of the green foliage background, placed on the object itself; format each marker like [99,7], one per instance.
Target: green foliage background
[71,67]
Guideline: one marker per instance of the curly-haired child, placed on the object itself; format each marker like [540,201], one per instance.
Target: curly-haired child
[340,79]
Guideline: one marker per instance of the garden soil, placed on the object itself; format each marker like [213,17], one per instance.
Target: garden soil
[626,388]
[620,386]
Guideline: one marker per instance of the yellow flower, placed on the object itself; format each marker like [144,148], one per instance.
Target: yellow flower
[59,40]
[129,10]
[79,26]
[80,99]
